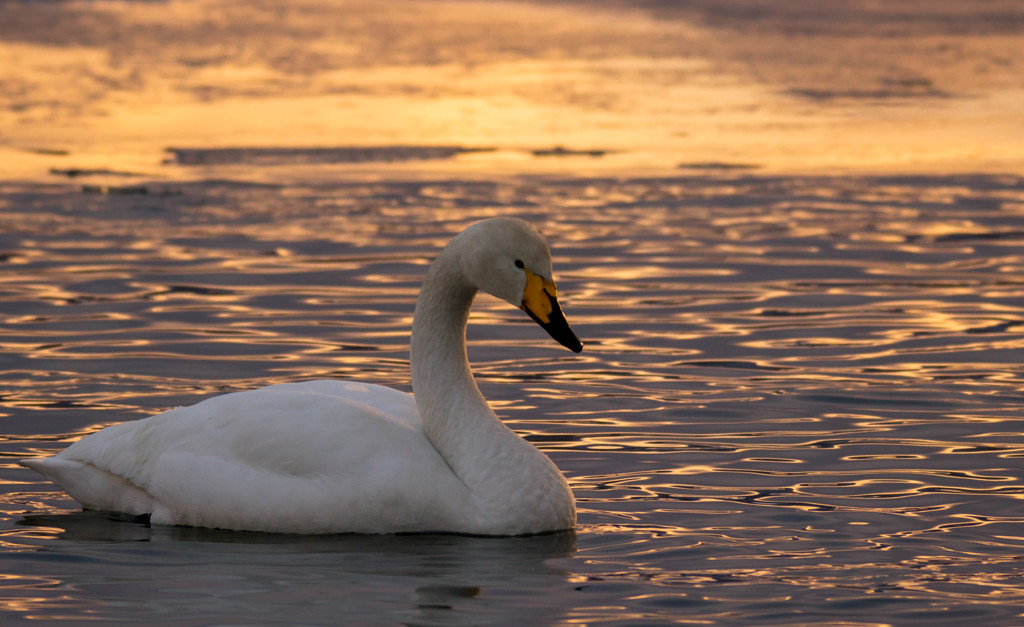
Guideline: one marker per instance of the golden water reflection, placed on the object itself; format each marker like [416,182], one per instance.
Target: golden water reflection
[800,394]
[106,88]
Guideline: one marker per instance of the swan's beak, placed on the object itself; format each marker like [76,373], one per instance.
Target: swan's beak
[541,302]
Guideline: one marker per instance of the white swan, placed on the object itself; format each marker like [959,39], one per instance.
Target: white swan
[334,456]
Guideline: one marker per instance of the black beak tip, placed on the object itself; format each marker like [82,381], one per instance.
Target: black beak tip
[574,344]
[563,334]
[557,327]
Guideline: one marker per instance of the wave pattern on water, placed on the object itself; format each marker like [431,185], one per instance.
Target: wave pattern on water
[800,398]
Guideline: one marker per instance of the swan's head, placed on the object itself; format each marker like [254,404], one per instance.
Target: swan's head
[508,258]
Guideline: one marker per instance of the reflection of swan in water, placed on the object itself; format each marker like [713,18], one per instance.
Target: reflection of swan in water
[333,456]
[163,571]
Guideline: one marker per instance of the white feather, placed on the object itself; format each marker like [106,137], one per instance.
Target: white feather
[334,456]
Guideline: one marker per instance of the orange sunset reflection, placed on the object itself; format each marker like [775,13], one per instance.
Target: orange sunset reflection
[788,234]
[609,88]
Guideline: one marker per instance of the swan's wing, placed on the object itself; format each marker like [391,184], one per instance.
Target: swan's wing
[322,456]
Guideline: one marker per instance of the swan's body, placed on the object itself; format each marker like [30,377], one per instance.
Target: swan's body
[334,456]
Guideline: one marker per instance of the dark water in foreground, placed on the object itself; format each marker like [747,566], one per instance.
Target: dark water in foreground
[801,399]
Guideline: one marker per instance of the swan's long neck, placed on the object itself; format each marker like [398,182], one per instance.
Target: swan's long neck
[455,415]
[512,487]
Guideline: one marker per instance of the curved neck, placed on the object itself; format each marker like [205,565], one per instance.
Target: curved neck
[437,349]
[455,414]
[513,486]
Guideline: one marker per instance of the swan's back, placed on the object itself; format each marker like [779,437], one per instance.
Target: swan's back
[314,457]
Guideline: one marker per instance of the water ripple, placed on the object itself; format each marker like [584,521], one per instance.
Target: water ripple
[796,392]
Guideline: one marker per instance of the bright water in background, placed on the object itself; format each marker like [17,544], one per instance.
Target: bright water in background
[801,395]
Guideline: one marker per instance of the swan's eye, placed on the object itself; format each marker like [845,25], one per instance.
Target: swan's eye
[519,263]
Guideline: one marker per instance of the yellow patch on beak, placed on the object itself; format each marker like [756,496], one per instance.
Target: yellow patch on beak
[538,296]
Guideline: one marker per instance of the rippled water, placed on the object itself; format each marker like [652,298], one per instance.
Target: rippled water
[801,396]
[800,401]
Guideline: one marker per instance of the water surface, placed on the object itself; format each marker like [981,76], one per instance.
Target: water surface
[800,398]
[791,241]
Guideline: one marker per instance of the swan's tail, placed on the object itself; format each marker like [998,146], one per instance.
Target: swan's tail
[93,487]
